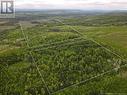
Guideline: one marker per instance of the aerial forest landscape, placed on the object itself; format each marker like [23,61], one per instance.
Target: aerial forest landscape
[64,52]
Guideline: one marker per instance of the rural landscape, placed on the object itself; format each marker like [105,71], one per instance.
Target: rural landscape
[64,52]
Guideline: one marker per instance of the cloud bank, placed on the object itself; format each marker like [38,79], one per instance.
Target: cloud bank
[72,4]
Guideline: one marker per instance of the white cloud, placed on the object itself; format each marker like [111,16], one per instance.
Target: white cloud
[72,4]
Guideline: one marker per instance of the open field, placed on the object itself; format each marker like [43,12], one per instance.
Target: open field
[64,53]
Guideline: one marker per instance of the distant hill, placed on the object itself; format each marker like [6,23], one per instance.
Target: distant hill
[73,17]
[97,19]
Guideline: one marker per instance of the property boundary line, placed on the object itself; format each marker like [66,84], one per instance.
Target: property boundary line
[42,79]
[59,42]
[69,43]
[88,38]
[89,79]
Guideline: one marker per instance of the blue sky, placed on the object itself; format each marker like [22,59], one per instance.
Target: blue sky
[72,4]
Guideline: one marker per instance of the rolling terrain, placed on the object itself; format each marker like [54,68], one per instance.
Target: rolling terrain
[64,53]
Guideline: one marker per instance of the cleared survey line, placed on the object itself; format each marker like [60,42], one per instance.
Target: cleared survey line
[59,42]
[69,26]
[90,79]
[34,62]
[69,43]
[59,46]
[88,38]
